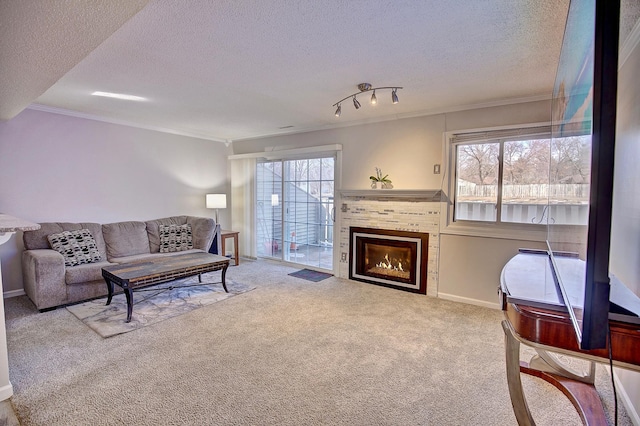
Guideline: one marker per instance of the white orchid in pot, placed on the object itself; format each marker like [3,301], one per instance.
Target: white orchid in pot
[380,181]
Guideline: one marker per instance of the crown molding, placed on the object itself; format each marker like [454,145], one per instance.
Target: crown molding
[70,113]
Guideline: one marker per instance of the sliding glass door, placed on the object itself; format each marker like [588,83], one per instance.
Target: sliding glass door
[295,210]
[269,209]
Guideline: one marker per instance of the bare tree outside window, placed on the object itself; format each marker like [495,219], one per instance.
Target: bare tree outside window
[570,160]
[478,163]
[477,181]
[542,179]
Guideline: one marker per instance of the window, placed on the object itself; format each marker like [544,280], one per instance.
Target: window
[521,176]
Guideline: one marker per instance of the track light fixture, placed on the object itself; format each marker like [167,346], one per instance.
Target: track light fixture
[356,103]
[366,87]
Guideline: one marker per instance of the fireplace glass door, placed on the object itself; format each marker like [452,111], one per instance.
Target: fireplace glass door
[295,211]
[389,258]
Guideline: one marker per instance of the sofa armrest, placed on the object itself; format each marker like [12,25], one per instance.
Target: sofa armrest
[203,230]
[43,273]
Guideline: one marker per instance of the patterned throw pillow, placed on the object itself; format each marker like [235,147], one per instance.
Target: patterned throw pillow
[175,238]
[76,247]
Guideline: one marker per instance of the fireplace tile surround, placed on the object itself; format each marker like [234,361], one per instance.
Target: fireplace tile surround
[375,210]
[390,258]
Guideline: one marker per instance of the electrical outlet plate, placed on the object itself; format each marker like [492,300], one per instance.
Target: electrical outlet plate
[436,169]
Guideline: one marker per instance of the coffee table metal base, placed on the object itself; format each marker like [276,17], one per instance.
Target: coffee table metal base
[135,275]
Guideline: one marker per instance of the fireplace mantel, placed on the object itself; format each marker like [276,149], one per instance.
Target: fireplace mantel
[432,195]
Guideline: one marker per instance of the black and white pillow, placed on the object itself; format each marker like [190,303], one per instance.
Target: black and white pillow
[77,247]
[175,238]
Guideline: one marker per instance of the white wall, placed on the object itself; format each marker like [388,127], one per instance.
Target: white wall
[625,233]
[470,267]
[405,149]
[56,168]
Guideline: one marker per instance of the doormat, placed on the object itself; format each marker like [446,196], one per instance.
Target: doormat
[155,304]
[310,275]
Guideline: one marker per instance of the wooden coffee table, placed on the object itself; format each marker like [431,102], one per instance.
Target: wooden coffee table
[134,275]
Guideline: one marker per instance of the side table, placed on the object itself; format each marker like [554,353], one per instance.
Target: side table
[234,235]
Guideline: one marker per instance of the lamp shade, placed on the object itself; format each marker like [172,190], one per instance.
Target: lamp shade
[216,201]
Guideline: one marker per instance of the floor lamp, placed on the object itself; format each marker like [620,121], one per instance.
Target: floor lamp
[217,201]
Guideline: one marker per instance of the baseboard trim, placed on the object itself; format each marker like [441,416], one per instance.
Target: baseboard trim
[468,301]
[6,392]
[13,293]
[626,401]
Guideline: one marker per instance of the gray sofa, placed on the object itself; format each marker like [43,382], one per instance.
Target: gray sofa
[49,283]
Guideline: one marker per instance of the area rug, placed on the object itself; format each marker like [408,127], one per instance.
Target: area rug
[310,275]
[153,304]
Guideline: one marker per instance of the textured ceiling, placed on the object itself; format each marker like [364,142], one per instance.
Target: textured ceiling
[41,40]
[228,70]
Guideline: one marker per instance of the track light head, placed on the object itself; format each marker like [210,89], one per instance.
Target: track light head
[339,110]
[394,96]
[356,103]
[374,100]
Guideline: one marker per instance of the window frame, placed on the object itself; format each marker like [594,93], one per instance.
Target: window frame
[497,228]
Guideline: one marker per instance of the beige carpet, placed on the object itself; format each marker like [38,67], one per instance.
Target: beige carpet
[289,352]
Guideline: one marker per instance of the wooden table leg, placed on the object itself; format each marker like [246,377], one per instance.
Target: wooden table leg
[512,355]
[234,236]
[583,396]
[236,257]
[580,392]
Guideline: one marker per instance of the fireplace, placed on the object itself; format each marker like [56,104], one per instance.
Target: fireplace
[389,258]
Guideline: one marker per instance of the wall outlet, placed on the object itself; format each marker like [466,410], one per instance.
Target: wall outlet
[436,169]
[343,257]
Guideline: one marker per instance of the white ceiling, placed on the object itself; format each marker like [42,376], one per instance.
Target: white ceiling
[236,69]
[41,40]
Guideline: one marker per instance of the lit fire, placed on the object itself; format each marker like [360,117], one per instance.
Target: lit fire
[386,264]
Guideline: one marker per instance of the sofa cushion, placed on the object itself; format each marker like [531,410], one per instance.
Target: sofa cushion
[153,230]
[77,247]
[125,238]
[175,238]
[81,274]
[34,240]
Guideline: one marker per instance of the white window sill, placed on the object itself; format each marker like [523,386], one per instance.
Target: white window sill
[505,231]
